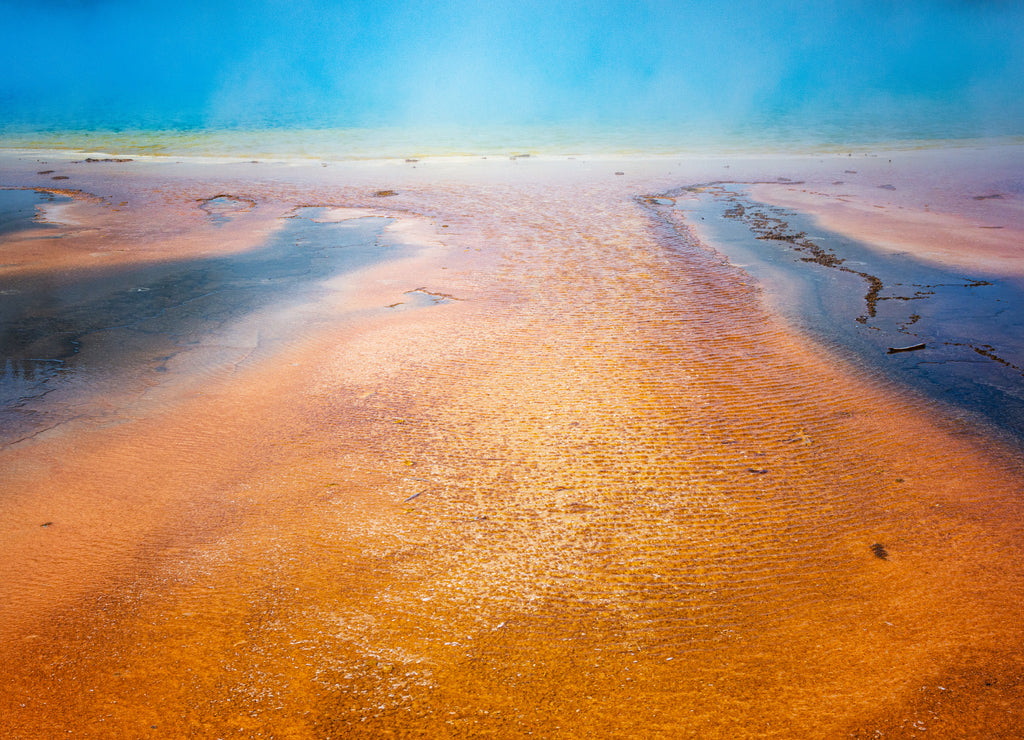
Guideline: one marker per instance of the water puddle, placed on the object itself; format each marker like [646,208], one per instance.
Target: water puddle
[421,298]
[101,334]
[864,304]
[21,210]
[220,208]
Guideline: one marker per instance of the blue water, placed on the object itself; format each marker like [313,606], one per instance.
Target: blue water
[404,78]
[119,330]
[858,302]
[20,209]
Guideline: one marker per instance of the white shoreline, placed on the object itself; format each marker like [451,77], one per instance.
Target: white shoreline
[597,152]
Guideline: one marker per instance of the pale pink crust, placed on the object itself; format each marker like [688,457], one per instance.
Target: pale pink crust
[962,207]
[992,242]
[597,491]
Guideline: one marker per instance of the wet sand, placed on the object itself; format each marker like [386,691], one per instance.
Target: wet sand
[552,468]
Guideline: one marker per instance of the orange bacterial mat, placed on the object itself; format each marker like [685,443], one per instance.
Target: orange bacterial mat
[594,489]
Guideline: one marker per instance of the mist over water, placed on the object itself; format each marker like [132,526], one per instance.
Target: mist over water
[459,76]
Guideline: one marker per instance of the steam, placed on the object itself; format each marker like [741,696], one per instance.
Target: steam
[958,65]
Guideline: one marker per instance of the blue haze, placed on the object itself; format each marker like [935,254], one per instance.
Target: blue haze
[824,70]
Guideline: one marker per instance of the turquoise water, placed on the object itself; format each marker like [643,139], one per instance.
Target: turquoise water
[357,79]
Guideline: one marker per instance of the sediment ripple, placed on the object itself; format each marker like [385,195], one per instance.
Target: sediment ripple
[605,493]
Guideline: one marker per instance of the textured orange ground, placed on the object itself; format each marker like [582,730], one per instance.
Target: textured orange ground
[642,509]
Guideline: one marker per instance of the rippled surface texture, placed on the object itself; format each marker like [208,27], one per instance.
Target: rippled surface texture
[965,320]
[550,468]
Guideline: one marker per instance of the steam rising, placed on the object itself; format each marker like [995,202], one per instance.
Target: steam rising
[904,67]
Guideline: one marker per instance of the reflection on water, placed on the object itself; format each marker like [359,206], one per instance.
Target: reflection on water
[126,325]
[861,303]
[22,209]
